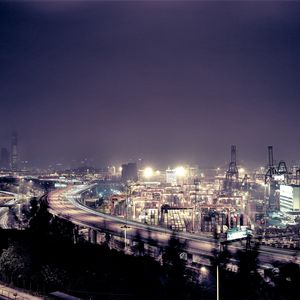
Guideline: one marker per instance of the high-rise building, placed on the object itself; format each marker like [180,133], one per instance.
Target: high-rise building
[129,172]
[4,159]
[171,177]
[290,198]
[14,152]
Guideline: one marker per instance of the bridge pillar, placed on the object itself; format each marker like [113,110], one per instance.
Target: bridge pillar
[89,235]
[76,234]
[101,237]
[92,236]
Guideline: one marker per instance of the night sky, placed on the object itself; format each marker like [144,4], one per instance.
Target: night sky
[166,81]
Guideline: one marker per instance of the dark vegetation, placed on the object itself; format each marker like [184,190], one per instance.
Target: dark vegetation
[248,284]
[46,258]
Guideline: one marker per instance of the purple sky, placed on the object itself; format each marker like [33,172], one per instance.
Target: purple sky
[166,81]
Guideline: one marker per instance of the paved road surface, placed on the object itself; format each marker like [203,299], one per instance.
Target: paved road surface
[11,293]
[64,203]
[4,218]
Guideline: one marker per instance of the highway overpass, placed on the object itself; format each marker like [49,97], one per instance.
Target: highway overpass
[65,204]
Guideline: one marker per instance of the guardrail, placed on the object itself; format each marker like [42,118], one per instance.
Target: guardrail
[11,295]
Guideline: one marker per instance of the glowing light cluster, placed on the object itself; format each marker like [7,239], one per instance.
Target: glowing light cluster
[180,171]
[242,170]
[148,172]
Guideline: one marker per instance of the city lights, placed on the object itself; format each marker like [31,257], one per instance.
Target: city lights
[136,150]
[203,269]
[242,170]
[180,171]
[148,172]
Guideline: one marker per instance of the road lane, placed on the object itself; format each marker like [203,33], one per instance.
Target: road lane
[65,203]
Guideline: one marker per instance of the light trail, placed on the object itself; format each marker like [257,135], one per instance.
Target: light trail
[64,203]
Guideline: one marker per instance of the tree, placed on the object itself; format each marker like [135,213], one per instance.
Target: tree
[287,281]
[14,263]
[54,277]
[40,222]
[174,266]
[219,259]
[34,206]
[139,248]
[249,282]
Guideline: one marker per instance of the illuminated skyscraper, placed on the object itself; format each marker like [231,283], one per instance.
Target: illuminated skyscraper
[14,152]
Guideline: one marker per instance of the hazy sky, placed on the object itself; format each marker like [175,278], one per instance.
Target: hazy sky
[165,81]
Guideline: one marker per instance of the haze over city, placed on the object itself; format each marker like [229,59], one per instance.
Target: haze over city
[164,81]
[149,150]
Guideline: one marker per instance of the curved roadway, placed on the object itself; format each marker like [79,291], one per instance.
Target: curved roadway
[64,203]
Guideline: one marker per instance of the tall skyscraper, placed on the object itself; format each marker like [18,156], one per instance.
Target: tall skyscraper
[14,152]
[4,159]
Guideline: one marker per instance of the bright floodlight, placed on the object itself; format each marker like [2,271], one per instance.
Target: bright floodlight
[180,171]
[148,172]
[242,170]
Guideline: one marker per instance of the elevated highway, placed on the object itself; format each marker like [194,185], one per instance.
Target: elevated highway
[7,199]
[65,204]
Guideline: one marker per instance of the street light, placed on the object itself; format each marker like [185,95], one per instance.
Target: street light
[203,273]
[19,209]
[218,262]
[242,171]
[180,171]
[125,227]
[218,287]
[148,172]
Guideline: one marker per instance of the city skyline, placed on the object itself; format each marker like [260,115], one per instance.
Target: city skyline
[11,159]
[167,82]
[149,149]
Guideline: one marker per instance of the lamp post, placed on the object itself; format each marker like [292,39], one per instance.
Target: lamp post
[203,274]
[181,173]
[218,271]
[148,173]
[218,282]
[125,226]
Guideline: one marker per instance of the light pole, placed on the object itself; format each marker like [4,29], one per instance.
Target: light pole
[195,206]
[203,274]
[193,219]
[218,282]
[19,210]
[218,275]
[125,227]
